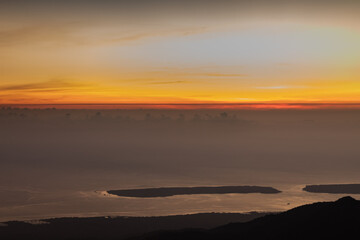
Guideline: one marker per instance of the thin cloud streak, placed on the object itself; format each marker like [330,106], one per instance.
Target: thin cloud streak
[79,34]
[186,73]
[168,82]
[161,33]
[223,75]
[52,85]
[276,87]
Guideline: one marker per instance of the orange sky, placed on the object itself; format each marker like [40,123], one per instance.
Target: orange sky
[235,52]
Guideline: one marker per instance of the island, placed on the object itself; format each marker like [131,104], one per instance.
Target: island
[172,191]
[334,188]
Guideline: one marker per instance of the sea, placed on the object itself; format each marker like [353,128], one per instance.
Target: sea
[61,162]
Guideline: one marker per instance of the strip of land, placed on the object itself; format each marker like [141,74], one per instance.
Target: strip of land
[334,188]
[172,191]
[111,228]
[322,220]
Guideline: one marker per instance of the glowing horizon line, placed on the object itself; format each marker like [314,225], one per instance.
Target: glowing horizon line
[253,105]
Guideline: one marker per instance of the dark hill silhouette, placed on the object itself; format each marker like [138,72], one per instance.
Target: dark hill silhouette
[116,227]
[334,188]
[323,220]
[172,191]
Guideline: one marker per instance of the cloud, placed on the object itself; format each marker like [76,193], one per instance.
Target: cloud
[37,34]
[56,21]
[274,87]
[168,82]
[193,72]
[52,85]
[78,22]
[79,34]
[221,75]
[126,37]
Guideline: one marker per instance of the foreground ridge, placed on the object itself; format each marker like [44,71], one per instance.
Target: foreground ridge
[323,220]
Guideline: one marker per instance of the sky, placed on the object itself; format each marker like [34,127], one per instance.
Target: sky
[199,51]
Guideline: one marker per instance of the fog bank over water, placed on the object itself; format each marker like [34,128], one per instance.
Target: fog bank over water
[53,160]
